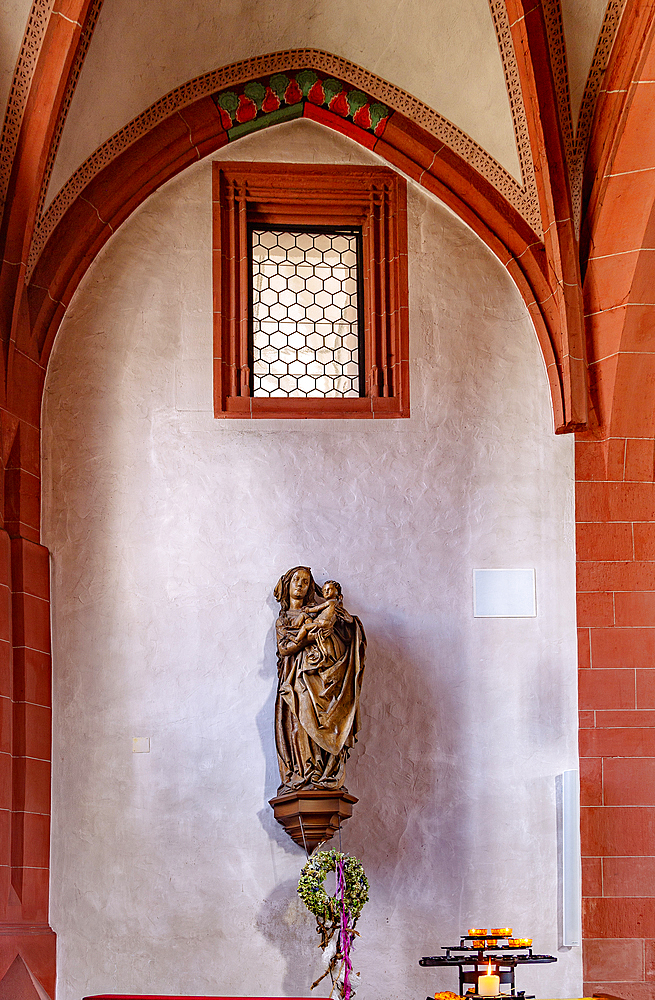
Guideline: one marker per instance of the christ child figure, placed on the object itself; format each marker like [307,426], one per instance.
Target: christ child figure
[327,614]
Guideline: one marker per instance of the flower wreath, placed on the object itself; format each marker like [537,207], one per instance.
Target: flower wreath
[336,915]
[316,899]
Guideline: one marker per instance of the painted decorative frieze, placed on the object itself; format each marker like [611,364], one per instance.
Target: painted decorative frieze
[282,96]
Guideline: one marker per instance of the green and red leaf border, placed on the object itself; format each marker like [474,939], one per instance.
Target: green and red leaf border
[283,96]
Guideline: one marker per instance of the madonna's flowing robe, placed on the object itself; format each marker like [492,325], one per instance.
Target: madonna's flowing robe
[317,705]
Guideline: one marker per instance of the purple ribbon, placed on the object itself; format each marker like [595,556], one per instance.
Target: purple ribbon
[345,934]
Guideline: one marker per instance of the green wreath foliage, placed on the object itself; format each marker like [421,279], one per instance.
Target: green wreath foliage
[316,899]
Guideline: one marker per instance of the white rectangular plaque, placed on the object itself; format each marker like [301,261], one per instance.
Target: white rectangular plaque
[504,593]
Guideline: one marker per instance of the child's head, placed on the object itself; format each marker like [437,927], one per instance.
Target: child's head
[332,590]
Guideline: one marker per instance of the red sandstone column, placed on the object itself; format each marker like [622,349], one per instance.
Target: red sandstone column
[27,944]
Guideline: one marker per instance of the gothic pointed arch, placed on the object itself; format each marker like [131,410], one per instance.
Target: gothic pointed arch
[212,111]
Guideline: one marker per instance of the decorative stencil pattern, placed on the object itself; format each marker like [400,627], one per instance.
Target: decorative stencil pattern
[557,47]
[20,87]
[531,212]
[522,198]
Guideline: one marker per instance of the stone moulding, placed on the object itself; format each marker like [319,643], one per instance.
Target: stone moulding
[290,61]
[608,31]
[184,137]
[35,30]
[313,816]
[85,41]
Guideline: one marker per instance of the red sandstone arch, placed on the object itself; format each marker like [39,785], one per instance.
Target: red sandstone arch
[530,38]
[44,105]
[196,131]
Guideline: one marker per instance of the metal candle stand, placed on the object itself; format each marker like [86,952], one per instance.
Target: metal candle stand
[514,957]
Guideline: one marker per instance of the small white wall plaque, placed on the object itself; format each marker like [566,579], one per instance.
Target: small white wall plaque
[504,593]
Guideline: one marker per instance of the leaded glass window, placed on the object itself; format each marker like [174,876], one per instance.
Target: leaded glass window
[305,312]
[310,294]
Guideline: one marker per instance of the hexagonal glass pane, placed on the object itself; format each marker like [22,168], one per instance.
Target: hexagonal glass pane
[333,313]
[269,383]
[278,311]
[286,241]
[278,340]
[297,340]
[305,241]
[314,341]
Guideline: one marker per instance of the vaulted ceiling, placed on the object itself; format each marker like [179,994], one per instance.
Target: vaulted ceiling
[447,55]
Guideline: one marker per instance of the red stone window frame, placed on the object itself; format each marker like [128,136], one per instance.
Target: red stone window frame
[290,194]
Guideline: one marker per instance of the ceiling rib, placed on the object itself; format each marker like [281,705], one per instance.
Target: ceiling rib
[517,107]
[82,50]
[35,30]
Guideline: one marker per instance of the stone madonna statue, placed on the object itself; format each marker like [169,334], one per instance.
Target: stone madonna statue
[320,659]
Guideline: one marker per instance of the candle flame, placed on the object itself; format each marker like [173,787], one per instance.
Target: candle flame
[489,969]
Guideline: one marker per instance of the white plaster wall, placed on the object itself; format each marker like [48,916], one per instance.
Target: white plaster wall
[444,53]
[168,530]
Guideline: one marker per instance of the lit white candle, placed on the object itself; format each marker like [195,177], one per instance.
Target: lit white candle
[488,986]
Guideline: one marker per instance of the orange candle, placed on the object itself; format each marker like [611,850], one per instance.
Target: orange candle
[477,932]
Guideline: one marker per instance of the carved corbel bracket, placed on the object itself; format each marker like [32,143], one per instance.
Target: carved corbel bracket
[316,812]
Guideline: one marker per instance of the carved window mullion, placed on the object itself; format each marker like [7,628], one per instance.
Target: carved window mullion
[243,265]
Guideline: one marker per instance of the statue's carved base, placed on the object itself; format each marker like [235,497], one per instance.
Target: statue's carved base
[317,813]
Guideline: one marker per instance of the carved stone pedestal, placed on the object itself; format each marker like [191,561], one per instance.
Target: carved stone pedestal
[316,812]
